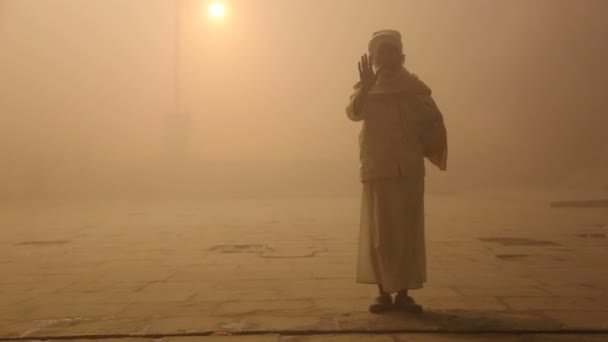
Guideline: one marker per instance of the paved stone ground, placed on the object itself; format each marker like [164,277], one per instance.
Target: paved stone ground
[410,337]
[502,267]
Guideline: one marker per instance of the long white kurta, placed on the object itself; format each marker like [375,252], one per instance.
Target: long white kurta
[391,238]
[391,234]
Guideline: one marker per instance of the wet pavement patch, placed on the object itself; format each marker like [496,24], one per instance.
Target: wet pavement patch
[559,249]
[294,253]
[580,204]
[592,236]
[511,256]
[42,243]
[241,248]
[510,241]
[479,321]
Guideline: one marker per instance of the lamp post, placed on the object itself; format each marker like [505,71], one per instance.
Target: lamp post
[177,54]
[179,122]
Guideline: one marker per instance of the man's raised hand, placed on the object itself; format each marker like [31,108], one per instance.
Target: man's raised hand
[366,73]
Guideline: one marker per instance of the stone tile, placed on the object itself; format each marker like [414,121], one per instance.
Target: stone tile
[460,337]
[498,337]
[204,272]
[116,340]
[324,288]
[552,303]
[569,338]
[600,300]
[15,329]
[60,309]
[246,294]
[270,323]
[431,290]
[462,303]
[16,311]
[365,321]
[189,324]
[501,291]
[81,326]
[260,272]
[251,338]
[135,274]
[258,307]
[36,284]
[86,296]
[481,321]
[580,319]
[168,309]
[580,289]
[338,338]
[169,291]
[342,305]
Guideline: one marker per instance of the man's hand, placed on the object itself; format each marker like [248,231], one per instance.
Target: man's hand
[366,73]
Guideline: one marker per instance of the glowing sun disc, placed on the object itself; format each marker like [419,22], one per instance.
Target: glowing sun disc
[217,10]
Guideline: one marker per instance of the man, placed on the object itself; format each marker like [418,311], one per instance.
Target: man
[401,126]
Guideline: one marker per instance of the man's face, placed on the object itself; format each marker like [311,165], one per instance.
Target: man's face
[388,57]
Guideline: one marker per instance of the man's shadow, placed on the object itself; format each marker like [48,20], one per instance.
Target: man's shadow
[450,321]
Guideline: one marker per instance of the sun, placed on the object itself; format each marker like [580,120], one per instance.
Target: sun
[217,10]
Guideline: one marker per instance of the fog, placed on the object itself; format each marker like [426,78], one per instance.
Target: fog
[97,97]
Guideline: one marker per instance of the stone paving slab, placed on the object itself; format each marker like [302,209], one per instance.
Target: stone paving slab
[426,337]
[446,338]
[128,268]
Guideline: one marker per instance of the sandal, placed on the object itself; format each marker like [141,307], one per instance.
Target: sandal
[407,304]
[383,303]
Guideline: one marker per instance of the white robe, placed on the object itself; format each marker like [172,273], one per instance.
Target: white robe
[391,239]
[396,121]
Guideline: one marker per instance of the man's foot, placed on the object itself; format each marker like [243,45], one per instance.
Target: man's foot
[406,303]
[383,303]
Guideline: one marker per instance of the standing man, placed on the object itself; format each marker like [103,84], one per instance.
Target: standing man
[401,126]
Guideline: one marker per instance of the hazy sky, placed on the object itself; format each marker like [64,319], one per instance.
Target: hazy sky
[521,83]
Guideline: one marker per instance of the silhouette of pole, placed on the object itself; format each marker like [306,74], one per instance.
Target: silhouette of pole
[178,124]
[177,57]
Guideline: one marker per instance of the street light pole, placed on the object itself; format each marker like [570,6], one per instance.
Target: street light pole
[178,124]
[177,55]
